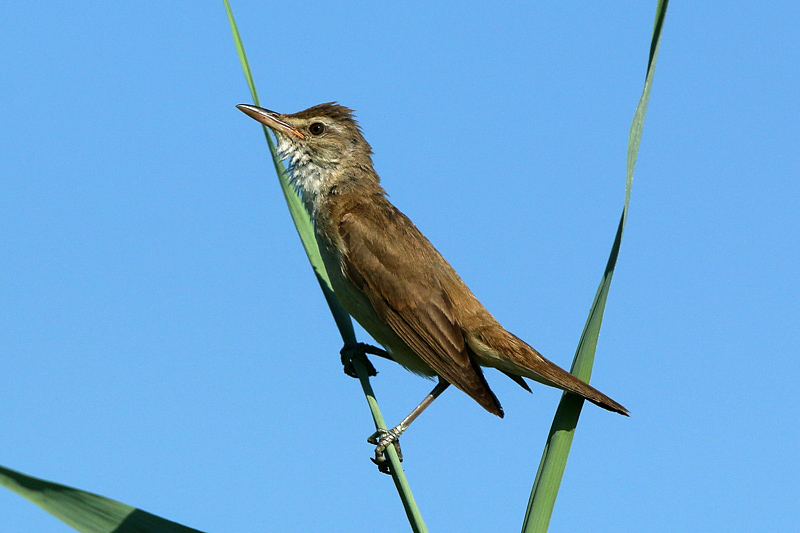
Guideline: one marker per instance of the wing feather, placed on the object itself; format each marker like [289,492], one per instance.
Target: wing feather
[403,285]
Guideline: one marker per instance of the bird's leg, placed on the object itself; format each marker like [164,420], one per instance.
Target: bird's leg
[384,437]
[352,350]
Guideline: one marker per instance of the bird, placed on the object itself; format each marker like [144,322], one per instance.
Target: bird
[390,278]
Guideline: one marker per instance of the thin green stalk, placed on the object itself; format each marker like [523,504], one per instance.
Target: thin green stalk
[556,451]
[305,230]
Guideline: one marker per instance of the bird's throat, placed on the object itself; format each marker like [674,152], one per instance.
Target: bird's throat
[309,179]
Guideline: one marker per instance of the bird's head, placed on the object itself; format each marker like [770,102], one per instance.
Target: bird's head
[326,135]
[324,146]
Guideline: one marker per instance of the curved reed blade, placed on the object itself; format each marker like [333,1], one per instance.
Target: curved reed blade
[559,440]
[85,511]
[305,229]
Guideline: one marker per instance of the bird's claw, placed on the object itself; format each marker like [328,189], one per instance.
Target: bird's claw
[351,351]
[382,439]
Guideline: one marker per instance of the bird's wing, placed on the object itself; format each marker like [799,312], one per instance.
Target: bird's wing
[404,288]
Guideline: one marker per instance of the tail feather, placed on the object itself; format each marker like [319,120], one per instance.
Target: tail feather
[518,380]
[496,347]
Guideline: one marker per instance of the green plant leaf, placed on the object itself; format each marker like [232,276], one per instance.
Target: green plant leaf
[559,440]
[85,511]
[305,229]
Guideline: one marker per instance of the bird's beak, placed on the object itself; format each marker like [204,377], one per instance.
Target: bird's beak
[269,119]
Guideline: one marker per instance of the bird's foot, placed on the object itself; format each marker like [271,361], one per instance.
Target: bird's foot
[359,350]
[382,439]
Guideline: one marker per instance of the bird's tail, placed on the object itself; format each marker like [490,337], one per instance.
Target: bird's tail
[498,348]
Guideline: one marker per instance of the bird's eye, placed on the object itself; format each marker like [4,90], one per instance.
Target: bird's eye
[317,128]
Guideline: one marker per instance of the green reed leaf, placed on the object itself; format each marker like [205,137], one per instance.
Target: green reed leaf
[85,511]
[559,440]
[305,229]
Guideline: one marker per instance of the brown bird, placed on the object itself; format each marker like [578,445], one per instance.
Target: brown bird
[390,278]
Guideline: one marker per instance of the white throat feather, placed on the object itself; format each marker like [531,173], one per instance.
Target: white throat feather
[309,176]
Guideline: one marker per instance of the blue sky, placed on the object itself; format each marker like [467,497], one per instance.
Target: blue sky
[162,338]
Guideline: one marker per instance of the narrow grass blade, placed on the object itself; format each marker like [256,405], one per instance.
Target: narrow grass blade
[305,229]
[562,431]
[300,217]
[85,511]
